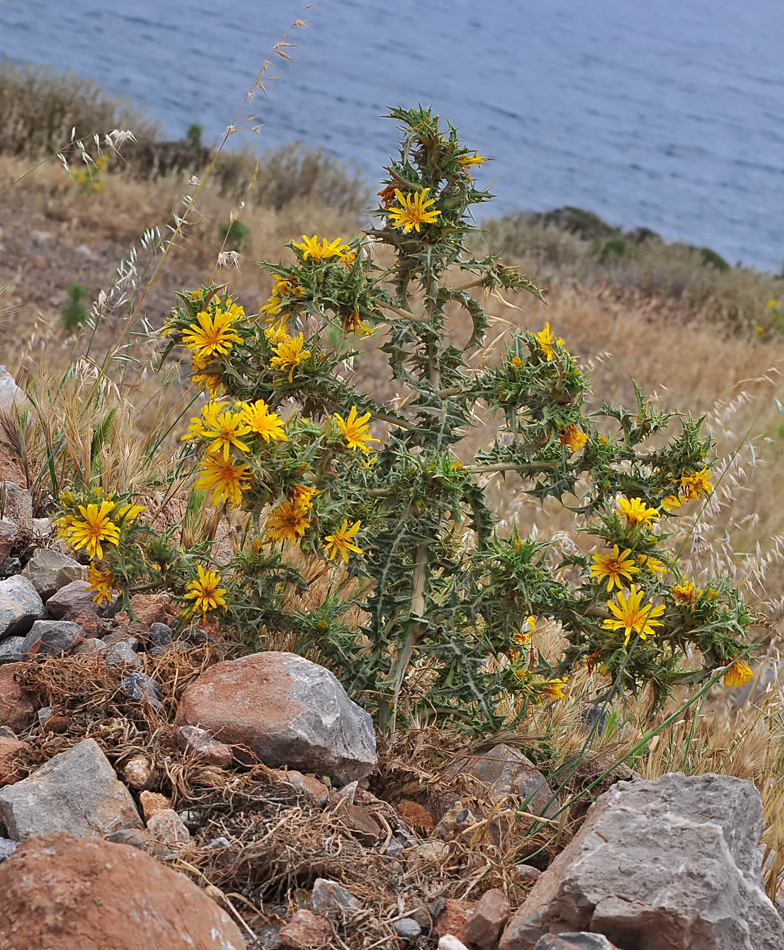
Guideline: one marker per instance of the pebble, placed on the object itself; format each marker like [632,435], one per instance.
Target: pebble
[407,928]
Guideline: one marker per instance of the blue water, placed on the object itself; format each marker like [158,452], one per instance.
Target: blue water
[663,113]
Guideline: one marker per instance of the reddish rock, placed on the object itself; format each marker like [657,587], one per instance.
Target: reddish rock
[305,931]
[153,802]
[72,894]
[9,771]
[416,816]
[575,941]
[8,533]
[16,705]
[204,746]
[452,920]
[88,620]
[487,920]
[360,822]
[527,875]
[286,711]
[141,839]
[167,826]
[307,785]
[149,608]
[137,771]
[71,599]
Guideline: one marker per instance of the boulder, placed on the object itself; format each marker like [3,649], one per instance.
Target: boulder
[20,605]
[581,941]
[11,650]
[71,599]
[17,709]
[9,749]
[668,864]
[287,711]
[52,638]
[49,571]
[10,393]
[59,891]
[487,920]
[75,791]
[16,504]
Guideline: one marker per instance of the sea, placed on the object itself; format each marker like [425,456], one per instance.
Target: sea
[667,114]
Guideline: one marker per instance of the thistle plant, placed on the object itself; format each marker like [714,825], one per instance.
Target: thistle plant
[288,446]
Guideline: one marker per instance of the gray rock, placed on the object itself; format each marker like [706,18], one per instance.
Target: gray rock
[407,928]
[10,393]
[7,849]
[49,571]
[16,504]
[52,638]
[8,534]
[11,565]
[90,647]
[329,896]
[287,711]
[76,791]
[75,596]
[11,650]
[578,941]
[142,687]
[669,864]
[20,605]
[44,713]
[123,653]
[160,634]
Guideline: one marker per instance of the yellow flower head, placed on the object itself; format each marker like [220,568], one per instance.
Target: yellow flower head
[652,564]
[772,304]
[355,430]
[283,288]
[342,541]
[225,432]
[696,484]
[631,616]
[213,335]
[302,497]
[670,503]
[415,211]
[94,528]
[636,512]
[311,248]
[353,324]
[466,162]
[387,195]
[516,362]
[102,582]
[289,354]
[613,567]
[227,480]
[554,689]
[260,421]
[685,593]
[523,636]
[547,342]
[277,332]
[573,437]
[205,592]
[738,674]
[287,522]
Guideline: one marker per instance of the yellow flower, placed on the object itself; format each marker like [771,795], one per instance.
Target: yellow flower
[260,421]
[227,480]
[670,503]
[545,340]
[276,332]
[209,381]
[613,567]
[205,593]
[516,362]
[102,582]
[416,211]
[636,512]
[95,528]
[523,636]
[347,258]
[738,674]
[342,541]
[213,336]
[685,593]
[355,430]
[573,437]
[696,484]
[287,522]
[353,324]
[370,461]
[302,497]
[311,249]
[289,354]
[554,689]
[652,564]
[282,289]
[128,513]
[772,304]
[225,433]
[467,161]
[387,195]
[633,617]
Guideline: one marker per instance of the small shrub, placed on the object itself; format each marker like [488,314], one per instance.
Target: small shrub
[234,235]
[193,136]
[74,312]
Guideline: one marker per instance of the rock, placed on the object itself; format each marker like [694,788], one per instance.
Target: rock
[9,749]
[329,896]
[58,891]
[669,864]
[11,650]
[203,745]
[152,803]
[52,638]
[20,605]
[150,608]
[88,620]
[16,704]
[287,711]
[7,849]
[309,786]
[75,791]
[455,822]
[450,942]
[167,826]
[11,565]
[361,823]
[123,653]
[72,598]
[432,853]
[16,504]
[142,687]
[303,932]
[49,571]
[90,647]
[42,528]
[487,920]
[8,533]
[407,928]
[527,875]
[10,393]
[137,772]
[141,839]
[160,634]
[416,816]
[452,919]
[581,941]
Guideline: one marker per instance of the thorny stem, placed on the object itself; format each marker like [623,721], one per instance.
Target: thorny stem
[415,631]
